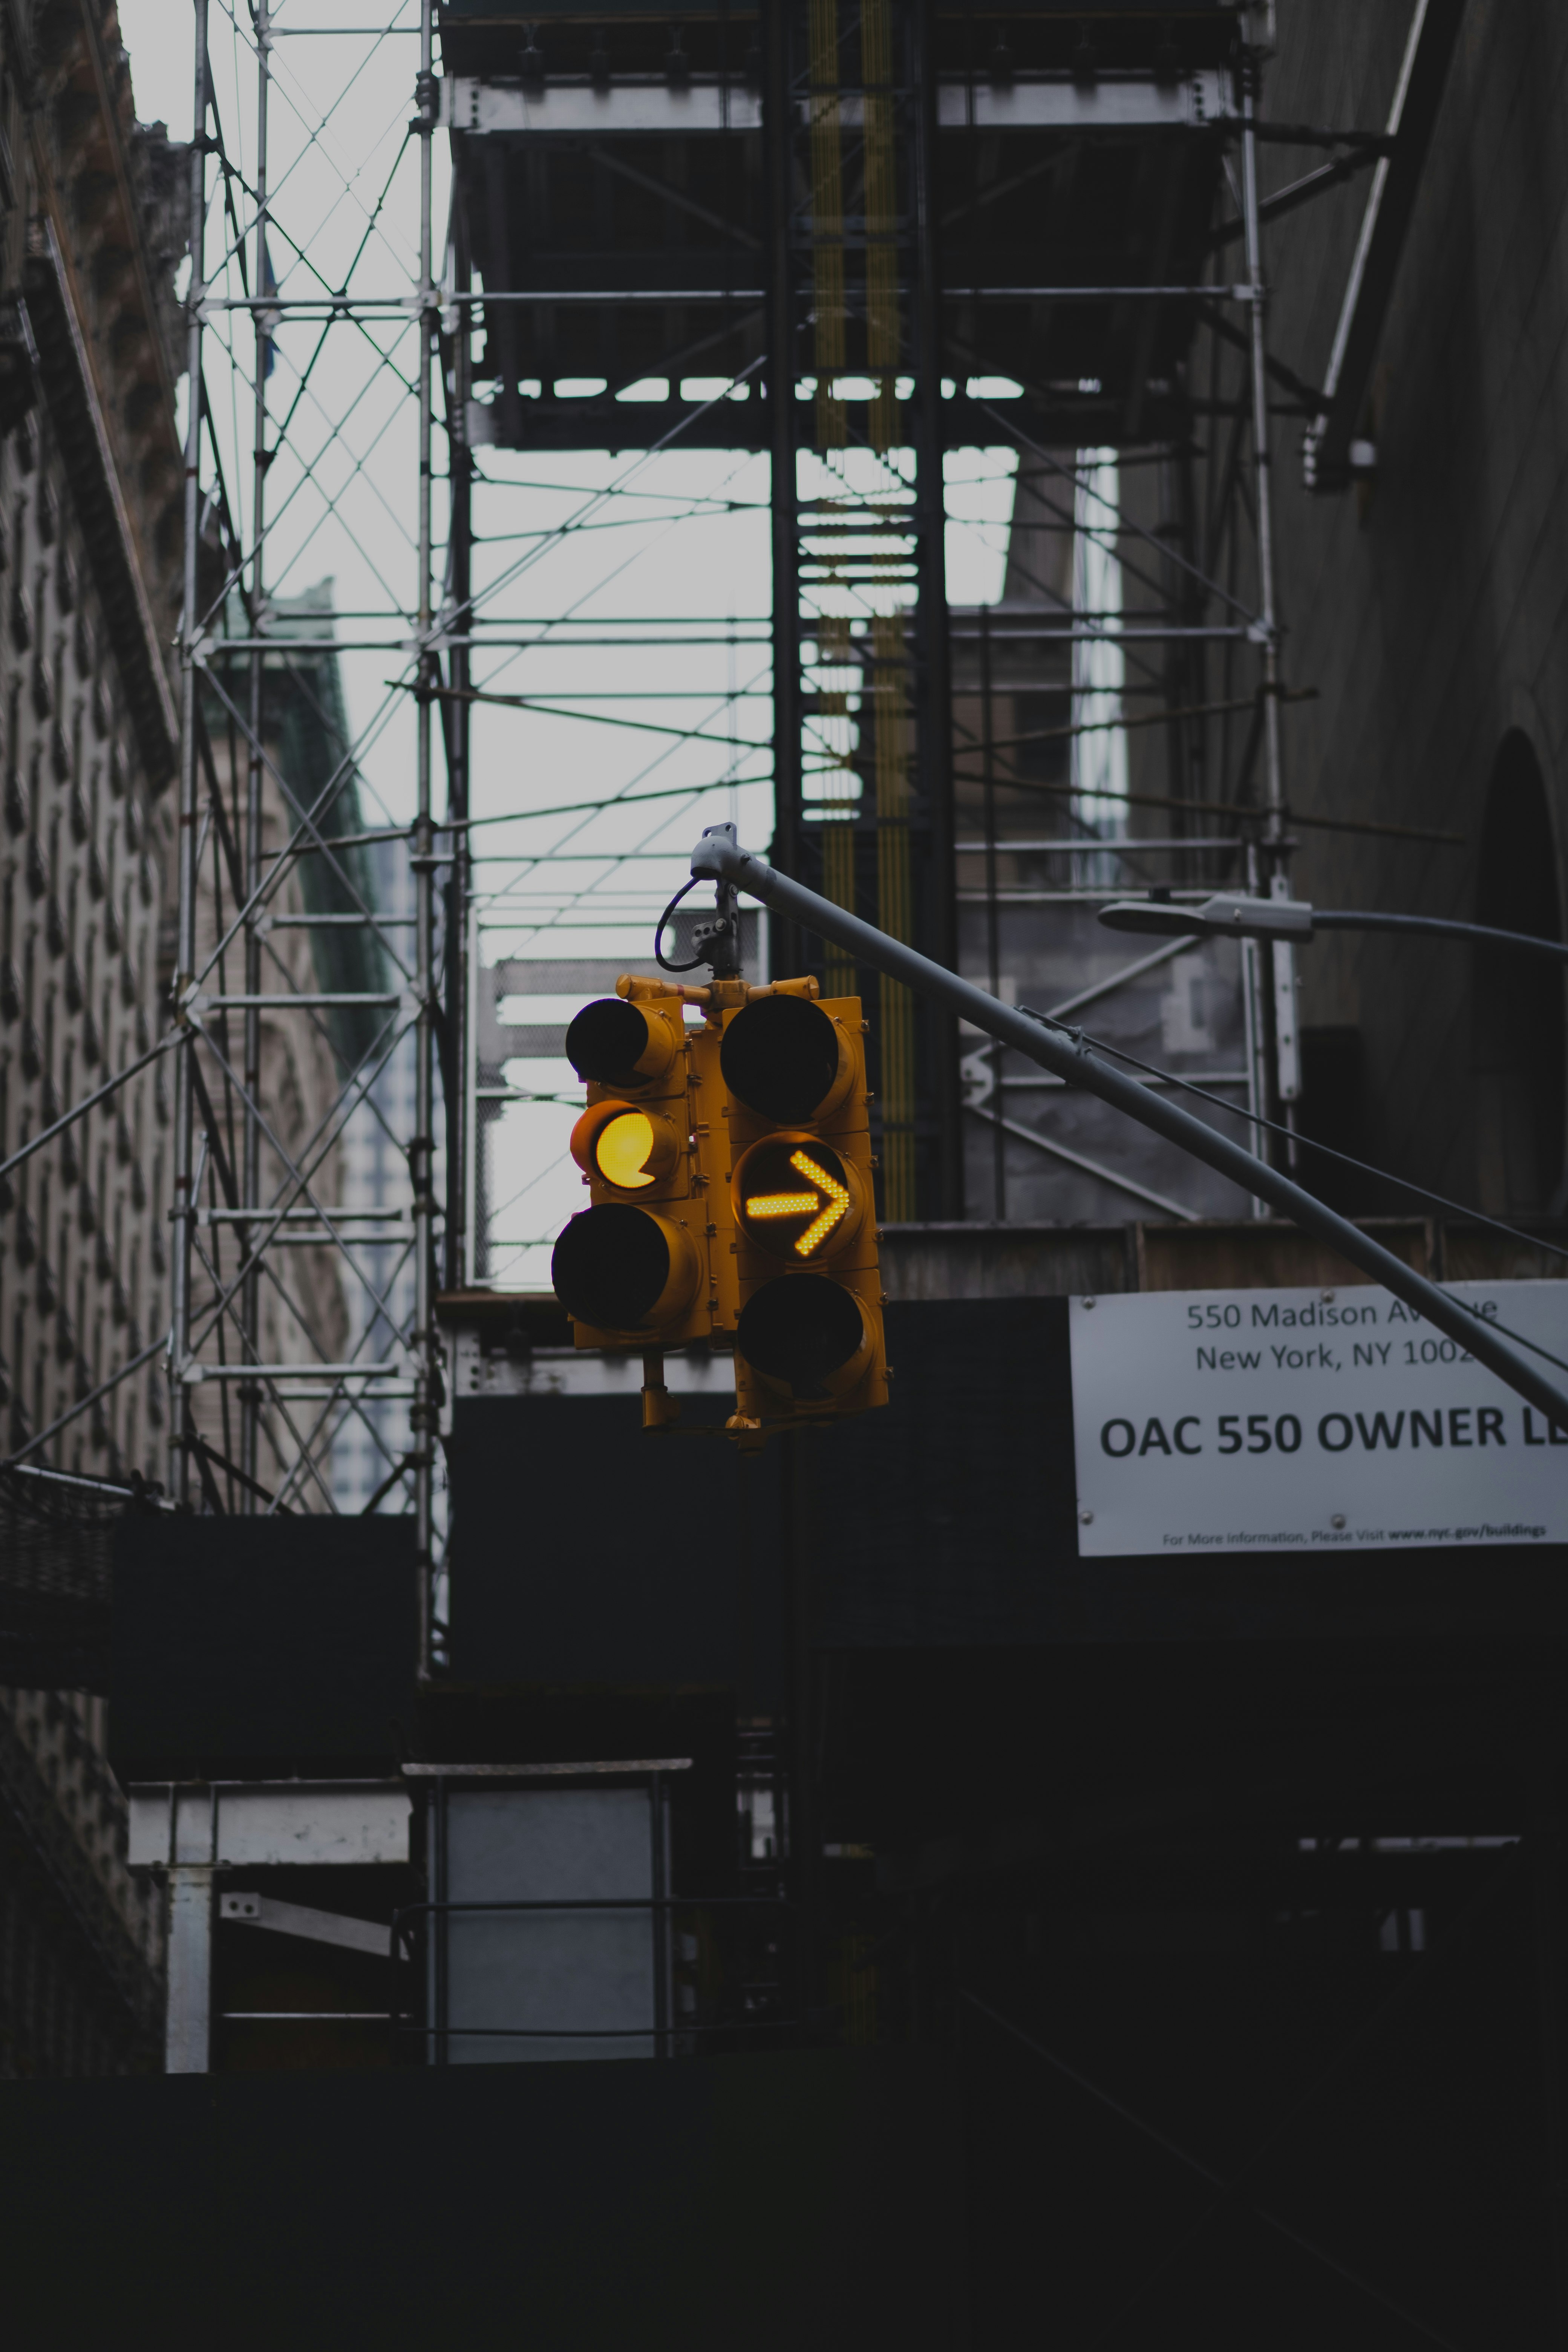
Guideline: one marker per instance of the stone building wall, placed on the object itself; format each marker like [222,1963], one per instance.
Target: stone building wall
[92,215]
[1428,610]
[90,533]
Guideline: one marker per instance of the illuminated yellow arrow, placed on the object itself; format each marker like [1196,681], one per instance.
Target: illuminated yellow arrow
[832,1207]
[783,1204]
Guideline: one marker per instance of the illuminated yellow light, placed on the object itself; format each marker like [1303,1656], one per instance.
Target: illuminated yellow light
[783,1204]
[623,1150]
[836,1204]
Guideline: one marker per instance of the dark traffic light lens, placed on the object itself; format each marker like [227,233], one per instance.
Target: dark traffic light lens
[606,1041]
[783,1056]
[611,1266]
[803,1330]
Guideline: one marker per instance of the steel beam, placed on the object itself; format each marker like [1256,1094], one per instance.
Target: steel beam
[637,106]
[1391,202]
[187,2026]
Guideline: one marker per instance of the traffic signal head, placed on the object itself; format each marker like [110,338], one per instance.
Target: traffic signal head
[730,1176]
[808,1337]
[633,1267]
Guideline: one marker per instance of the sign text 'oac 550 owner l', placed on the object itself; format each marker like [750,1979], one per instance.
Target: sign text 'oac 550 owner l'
[1307,1419]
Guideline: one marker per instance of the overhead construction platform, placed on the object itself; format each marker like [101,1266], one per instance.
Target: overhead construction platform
[616,202]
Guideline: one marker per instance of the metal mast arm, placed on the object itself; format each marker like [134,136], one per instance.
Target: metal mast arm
[717,857]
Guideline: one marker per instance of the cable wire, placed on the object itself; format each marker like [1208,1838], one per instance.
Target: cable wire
[1272,1127]
[660,957]
[1291,1135]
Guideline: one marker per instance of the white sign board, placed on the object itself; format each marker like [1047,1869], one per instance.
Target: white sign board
[1308,1421]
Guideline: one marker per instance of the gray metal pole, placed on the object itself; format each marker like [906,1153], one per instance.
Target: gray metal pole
[933,675]
[457,716]
[717,859]
[1267,618]
[184,1206]
[187,2021]
[778,147]
[422,1147]
[1268,1015]
[249,1238]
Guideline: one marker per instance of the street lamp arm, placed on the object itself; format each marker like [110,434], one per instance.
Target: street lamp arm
[718,857]
[1327,919]
[1237,916]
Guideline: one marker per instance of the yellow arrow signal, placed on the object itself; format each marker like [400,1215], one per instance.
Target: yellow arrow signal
[783,1204]
[833,1202]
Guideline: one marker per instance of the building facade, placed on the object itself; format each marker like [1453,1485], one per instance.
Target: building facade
[93,219]
[1423,606]
[90,473]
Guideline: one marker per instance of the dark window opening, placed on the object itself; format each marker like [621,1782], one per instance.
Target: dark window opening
[1333,1111]
[1519,1046]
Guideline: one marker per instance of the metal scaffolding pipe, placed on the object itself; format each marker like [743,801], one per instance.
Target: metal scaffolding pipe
[184,1204]
[422,1143]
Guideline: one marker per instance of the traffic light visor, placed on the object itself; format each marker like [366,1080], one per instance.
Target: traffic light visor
[786,1059]
[624,1269]
[806,1334]
[796,1197]
[615,1043]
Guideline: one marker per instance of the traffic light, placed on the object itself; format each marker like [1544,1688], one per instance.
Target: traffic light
[729,1179]
[634,1265]
[808,1332]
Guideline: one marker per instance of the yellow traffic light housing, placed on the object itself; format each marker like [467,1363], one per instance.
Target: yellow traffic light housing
[632,1269]
[808,1340]
[730,1176]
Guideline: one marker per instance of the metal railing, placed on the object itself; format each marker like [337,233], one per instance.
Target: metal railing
[662,2029]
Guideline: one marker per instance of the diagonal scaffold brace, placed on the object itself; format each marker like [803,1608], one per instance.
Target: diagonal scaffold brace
[718,857]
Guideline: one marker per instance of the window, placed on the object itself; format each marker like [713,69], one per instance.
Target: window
[1520,1038]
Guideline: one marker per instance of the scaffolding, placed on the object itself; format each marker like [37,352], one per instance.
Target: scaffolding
[333,1004]
[306,987]
[890,231]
